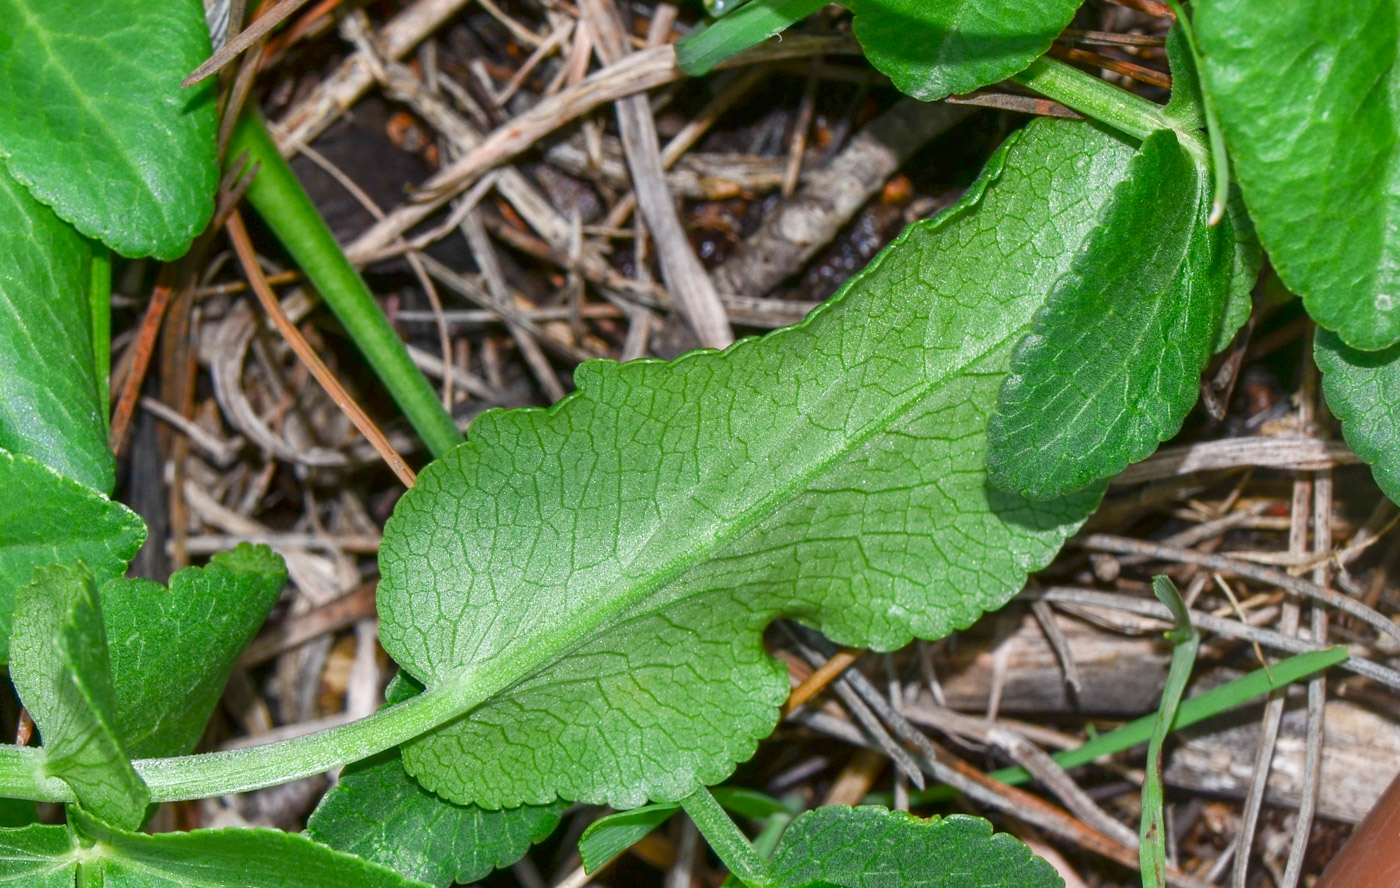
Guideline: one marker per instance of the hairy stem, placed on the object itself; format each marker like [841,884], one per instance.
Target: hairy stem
[284,205]
[1093,97]
[732,846]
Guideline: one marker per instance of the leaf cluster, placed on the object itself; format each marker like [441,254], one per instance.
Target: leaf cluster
[576,596]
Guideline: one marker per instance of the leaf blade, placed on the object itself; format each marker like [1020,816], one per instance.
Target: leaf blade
[36,857]
[378,812]
[628,631]
[46,518]
[870,847]
[195,629]
[1112,363]
[50,402]
[934,50]
[94,122]
[217,858]
[61,671]
[1362,389]
[1309,104]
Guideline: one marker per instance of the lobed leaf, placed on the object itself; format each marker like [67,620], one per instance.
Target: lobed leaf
[60,669]
[172,650]
[594,578]
[94,122]
[51,406]
[870,847]
[933,50]
[46,518]
[1309,103]
[1113,361]
[1362,389]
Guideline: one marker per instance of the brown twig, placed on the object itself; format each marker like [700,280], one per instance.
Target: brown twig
[246,38]
[249,260]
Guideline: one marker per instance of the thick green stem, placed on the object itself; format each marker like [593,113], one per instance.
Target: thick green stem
[732,846]
[1093,97]
[284,205]
[100,298]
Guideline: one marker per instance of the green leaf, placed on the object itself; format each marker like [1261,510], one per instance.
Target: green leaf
[37,857]
[380,813]
[754,22]
[870,847]
[1113,361]
[46,518]
[1363,391]
[1186,107]
[59,666]
[933,50]
[1245,263]
[607,837]
[94,122]
[51,406]
[217,858]
[1309,102]
[172,650]
[594,578]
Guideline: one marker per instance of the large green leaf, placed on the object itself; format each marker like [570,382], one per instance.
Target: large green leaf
[1363,391]
[1113,361]
[94,122]
[50,402]
[1308,96]
[172,649]
[46,518]
[59,666]
[97,855]
[869,847]
[932,50]
[595,578]
[380,813]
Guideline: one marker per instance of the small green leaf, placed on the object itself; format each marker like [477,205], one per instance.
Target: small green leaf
[37,857]
[217,858]
[1113,362]
[933,50]
[870,847]
[591,582]
[172,650]
[609,836]
[1363,391]
[94,122]
[1308,103]
[46,518]
[51,407]
[1245,263]
[754,22]
[59,666]
[380,813]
